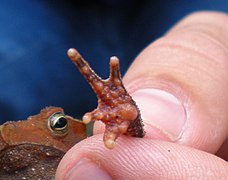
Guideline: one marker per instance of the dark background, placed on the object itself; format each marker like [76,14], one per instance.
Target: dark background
[35,35]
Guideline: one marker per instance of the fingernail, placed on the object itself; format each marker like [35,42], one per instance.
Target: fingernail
[162,110]
[85,169]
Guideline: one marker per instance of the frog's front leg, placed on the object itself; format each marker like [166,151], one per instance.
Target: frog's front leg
[116,108]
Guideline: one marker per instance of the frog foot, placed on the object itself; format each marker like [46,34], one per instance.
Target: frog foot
[116,108]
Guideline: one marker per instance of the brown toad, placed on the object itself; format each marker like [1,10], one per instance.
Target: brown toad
[32,149]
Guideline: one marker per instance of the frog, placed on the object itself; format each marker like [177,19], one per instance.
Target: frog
[33,148]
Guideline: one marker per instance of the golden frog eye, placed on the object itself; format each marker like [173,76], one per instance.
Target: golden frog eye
[58,123]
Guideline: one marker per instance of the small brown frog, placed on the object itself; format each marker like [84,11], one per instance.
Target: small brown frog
[32,149]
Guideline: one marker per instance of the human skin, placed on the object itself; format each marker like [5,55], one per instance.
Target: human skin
[180,84]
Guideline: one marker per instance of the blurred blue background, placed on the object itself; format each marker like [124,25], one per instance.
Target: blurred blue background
[35,35]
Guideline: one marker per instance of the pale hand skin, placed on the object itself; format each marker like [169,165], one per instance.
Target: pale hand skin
[180,84]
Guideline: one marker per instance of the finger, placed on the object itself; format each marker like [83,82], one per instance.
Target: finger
[135,158]
[180,83]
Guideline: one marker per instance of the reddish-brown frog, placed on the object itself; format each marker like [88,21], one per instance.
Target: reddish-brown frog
[32,149]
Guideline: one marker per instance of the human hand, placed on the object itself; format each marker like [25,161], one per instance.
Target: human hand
[180,84]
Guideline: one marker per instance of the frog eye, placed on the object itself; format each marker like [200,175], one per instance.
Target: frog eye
[58,123]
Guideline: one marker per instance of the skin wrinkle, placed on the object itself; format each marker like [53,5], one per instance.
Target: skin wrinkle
[125,154]
[188,167]
[161,157]
[205,29]
[137,161]
[118,159]
[198,45]
[212,62]
[208,18]
[155,156]
[215,78]
[172,68]
[107,163]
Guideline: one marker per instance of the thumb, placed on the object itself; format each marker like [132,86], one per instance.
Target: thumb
[180,83]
